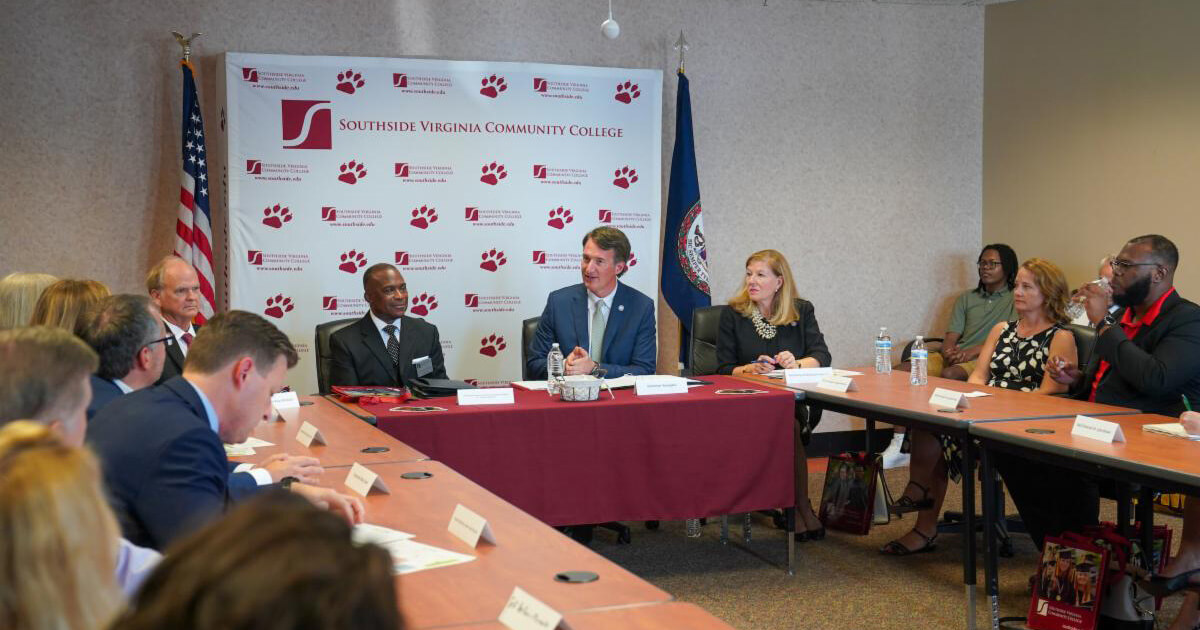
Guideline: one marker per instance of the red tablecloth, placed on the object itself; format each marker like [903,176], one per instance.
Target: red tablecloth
[658,457]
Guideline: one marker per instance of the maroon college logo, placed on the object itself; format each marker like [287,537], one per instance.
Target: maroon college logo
[275,216]
[472,213]
[539,84]
[328,213]
[539,257]
[401,169]
[254,257]
[493,173]
[329,303]
[626,92]
[349,81]
[307,124]
[351,172]
[401,258]
[539,171]
[250,75]
[471,300]
[352,261]
[422,217]
[624,177]
[254,167]
[399,79]
[492,260]
[492,86]
[559,218]
[605,216]
[423,304]
[491,345]
[277,306]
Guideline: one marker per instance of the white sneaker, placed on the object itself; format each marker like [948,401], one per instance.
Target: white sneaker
[892,457]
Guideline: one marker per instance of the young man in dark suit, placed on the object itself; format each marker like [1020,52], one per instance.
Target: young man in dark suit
[1147,358]
[599,323]
[161,448]
[175,288]
[385,348]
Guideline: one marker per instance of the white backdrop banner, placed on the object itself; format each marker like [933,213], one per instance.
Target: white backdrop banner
[477,180]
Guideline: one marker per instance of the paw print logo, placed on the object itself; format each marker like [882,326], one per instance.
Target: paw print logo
[274,216]
[349,81]
[278,305]
[624,177]
[559,218]
[492,86]
[632,262]
[422,217]
[423,304]
[605,216]
[492,260]
[352,171]
[491,345]
[352,261]
[626,92]
[493,173]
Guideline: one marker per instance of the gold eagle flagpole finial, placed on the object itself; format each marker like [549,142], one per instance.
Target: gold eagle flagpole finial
[681,45]
[186,44]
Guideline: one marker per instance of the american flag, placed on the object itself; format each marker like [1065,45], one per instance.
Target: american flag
[193,231]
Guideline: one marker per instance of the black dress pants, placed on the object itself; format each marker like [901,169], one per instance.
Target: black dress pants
[1051,500]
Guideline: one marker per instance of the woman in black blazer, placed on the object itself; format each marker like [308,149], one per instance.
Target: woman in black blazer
[768,327]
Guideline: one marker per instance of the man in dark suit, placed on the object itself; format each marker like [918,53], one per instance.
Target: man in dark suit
[128,333]
[599,323]
[385,348]
[160,448]
[175,288]
[1147,357]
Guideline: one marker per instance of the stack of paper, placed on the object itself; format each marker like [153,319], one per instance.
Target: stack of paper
[1170,428]
[408,555]
[245,449]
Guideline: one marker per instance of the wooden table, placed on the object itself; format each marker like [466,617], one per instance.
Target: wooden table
[890,398]
[1154,461]
[346,437]
[669,616]
[528,553]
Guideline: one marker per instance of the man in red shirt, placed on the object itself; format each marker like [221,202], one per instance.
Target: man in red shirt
[1147,357]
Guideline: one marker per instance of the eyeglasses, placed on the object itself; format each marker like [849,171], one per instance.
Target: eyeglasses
[1120,265]
[989,264]
[166,341]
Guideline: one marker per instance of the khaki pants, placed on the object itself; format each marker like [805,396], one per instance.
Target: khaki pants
[936,365]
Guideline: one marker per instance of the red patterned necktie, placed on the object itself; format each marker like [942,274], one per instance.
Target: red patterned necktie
[187,340]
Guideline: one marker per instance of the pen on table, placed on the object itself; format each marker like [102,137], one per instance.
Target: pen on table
[1186,405]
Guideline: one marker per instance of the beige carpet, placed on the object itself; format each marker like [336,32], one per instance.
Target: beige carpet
[840,582]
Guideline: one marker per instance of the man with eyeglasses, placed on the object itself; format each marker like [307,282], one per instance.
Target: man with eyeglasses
[1147,357]
[175,289]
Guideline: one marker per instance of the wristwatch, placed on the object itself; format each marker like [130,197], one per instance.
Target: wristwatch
[1108,320]
[286,482]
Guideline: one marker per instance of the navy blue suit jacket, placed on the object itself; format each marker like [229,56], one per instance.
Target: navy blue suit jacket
[629,335]
[164,466]
[104,391]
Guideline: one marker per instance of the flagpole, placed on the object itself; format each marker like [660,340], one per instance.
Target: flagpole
[681,45]
[185,43]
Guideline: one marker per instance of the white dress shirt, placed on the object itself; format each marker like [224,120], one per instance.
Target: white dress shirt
[177,332]
[380,324]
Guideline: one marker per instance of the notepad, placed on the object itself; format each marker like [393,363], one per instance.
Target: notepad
[1173,429]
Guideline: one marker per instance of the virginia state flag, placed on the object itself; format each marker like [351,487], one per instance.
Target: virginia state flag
[685,258]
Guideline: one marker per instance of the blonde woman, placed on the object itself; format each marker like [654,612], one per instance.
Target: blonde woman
[19,292]
[57,571]
[768,326]
[63,303]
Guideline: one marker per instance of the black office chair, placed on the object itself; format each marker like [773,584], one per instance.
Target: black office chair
[581,533]
[906,353]
[702,351]
[528,329]
[1085,346]
[324,331]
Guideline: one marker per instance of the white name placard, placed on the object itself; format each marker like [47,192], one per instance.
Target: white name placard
[284,406]
[363,480]
[525,612]
[838,384]
[469,526]
[800,376]
[655,384]
[309,435]
[486,396]
[1097,429]
[949,399]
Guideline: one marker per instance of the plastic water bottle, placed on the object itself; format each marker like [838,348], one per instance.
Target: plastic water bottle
[692,525]
[919,375]
[883,352]
[554,369]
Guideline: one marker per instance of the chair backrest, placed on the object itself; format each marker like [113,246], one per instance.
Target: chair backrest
[324,331]
[1085,345]
[528,329]
[702,351]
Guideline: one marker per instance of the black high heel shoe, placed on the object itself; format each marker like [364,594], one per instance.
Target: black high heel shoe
[811,534]
[906,504]
[1163,586]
